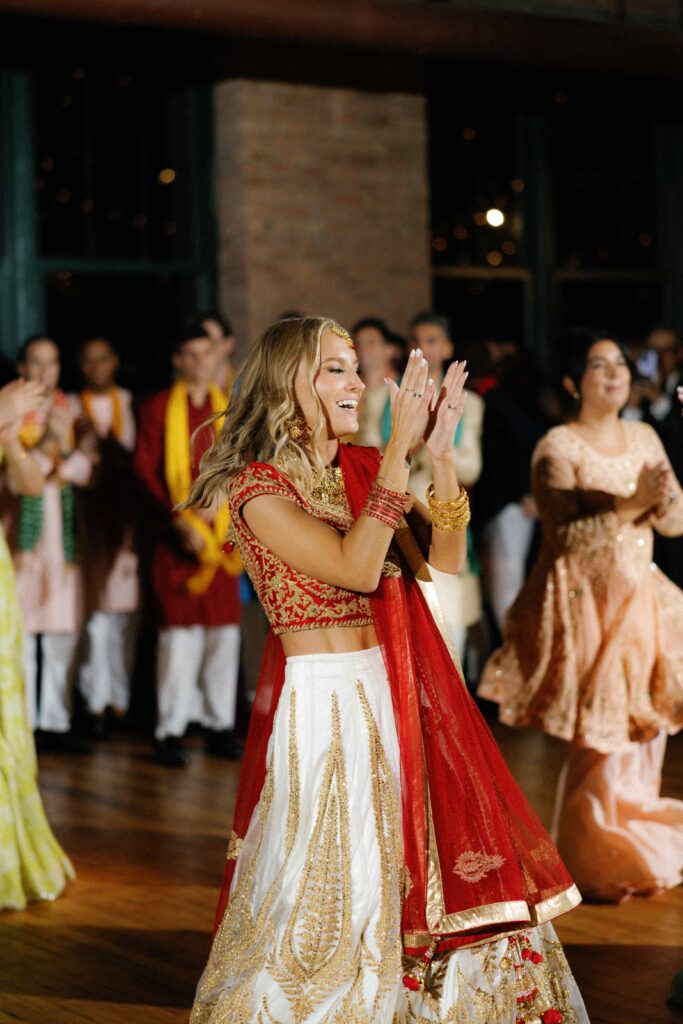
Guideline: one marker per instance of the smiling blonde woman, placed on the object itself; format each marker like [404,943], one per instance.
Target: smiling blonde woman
[383,866]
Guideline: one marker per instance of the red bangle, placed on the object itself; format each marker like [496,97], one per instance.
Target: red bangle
[385,505]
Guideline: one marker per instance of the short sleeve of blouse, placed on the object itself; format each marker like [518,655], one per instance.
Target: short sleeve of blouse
[256,480]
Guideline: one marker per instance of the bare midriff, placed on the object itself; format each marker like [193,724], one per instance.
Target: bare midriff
[329,641]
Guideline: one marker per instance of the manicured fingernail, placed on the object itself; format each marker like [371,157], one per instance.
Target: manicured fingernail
[423,363]
[418,351]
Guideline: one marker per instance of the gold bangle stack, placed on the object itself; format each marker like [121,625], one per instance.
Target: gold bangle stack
[449,516]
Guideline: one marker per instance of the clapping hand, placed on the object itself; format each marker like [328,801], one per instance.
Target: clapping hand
[17,399]
[411,403]
[446,413]
[655,487]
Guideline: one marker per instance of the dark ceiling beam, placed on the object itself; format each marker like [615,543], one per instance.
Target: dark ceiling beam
[425,29]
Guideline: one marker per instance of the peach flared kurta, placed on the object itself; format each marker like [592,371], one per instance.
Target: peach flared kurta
[593,654]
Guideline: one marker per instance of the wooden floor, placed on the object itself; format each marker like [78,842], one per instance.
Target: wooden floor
[128,941]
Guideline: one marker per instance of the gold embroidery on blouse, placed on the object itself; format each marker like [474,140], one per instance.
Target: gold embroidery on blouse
[330,490]
[473,865]
[292,601]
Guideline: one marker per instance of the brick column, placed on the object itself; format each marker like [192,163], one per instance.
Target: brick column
[322,204]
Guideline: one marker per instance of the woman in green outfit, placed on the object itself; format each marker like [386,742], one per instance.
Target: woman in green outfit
[33,866]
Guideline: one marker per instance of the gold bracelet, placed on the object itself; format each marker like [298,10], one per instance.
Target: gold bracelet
[449,516]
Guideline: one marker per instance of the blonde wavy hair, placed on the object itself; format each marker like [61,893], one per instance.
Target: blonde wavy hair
[263,409]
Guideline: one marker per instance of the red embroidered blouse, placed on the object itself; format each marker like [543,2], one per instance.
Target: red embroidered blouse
[292,601]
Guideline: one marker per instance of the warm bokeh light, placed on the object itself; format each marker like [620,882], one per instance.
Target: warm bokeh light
[517,185]
[494,259]
[495,217]
[167,176]
[479,218]
[460,232]
[469,134]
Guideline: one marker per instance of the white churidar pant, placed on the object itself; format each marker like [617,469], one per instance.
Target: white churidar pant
[195,656]
[106,670]
[56,684]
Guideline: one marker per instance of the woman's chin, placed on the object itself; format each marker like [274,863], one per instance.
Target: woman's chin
[345,429]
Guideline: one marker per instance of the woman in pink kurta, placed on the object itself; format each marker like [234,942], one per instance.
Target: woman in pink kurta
[593,650]
[41,535]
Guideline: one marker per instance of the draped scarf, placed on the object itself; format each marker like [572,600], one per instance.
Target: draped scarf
[114,396]
[178,473]
[478,861]
[32,506]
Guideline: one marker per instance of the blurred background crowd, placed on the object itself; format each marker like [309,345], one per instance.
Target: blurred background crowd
[136,617]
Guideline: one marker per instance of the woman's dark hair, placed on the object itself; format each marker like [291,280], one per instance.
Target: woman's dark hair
[577,344]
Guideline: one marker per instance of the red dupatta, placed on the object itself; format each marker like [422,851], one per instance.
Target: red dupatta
[478,860]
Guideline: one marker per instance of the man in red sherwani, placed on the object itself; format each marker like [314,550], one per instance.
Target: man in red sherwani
[194,581]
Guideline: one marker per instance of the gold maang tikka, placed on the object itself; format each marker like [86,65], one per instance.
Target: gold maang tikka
[341,332]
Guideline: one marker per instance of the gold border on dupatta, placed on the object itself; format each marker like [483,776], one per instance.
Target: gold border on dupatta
[508,912]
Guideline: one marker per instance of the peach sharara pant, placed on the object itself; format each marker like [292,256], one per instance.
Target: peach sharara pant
[593,654]
[615,833]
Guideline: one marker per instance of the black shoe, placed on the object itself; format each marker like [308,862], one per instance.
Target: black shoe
[96,727]
[170,752]
[224,744]
[63,743]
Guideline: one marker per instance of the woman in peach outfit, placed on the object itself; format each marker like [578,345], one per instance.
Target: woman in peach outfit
[593,649]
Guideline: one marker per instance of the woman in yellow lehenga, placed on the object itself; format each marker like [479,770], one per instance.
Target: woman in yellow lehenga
[32,864]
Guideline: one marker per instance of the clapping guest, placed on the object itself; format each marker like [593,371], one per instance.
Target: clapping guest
[593,650]
[109,514]
[42,537]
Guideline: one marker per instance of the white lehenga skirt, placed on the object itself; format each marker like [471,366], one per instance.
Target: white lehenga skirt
[312,932]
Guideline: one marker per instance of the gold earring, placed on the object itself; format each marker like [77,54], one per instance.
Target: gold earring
[297,428]
[577,396]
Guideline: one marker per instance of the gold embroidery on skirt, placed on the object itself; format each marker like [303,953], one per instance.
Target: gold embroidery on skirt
[474,1005]
[234,846]
[241,942]
[315,955]
[387,965]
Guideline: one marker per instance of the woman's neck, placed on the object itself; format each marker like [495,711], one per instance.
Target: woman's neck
[329,452]
[599,421]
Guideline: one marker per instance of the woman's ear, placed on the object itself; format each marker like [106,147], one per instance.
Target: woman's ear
[571,388]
